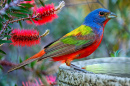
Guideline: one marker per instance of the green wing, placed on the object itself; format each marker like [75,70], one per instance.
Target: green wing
[71,42]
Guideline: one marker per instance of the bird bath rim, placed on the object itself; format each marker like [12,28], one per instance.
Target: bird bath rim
[98,60]
[70,76]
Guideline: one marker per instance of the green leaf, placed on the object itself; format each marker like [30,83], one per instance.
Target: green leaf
[1,67]
[117,53]
[1,25]
[8,1]
[112,55]
[1,51]
[20,9]
[7,36]
[6,16]
[18,15]
[42,3]
[1,19]
[33,63]
[5,41]
[1,56]
[42,67]
[20,23]
[16,85]
[27,0]
[26,11]
[26,57]
[20,60]
[9,27]
[27,5]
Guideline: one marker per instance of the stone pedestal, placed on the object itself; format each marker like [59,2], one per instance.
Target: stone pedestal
[70,77]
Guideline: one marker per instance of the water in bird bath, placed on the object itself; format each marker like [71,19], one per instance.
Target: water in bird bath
[114,69]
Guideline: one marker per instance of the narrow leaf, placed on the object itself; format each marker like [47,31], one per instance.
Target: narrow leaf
[42,3]
[26,5]
[5,41]
[1,19]
[20,9]
[1,67]
[7,36]
[20,60]
[117,53]
[20,23]
[33,63]
[16,85]
[18,15]
[6,16]
[1,51]
[9,27]
[1,25]
[8,1]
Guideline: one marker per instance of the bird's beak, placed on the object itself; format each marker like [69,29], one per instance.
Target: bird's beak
[111,15]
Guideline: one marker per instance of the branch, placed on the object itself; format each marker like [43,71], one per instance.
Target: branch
[4,27]
[58,8]
[100,3]
[14,3]
[6,63]
[2,11]
[3,3]
[83,3]
[46,33]
[8,22]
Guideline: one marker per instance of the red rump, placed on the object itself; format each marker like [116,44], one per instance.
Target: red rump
[45,14]
[25,37]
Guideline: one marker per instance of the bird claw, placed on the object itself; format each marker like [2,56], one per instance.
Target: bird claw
[83,70]
[80,69]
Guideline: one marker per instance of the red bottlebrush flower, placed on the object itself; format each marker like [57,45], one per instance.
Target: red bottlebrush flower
[36,83]
[30,2]
[44,14]
[51,79]
[25,37]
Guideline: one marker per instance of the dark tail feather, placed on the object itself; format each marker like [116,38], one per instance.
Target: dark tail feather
[29,60]
[22,64]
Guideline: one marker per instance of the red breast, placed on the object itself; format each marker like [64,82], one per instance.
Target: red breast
[81,53]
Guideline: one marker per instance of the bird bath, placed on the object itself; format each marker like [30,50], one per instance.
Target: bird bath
[108,72]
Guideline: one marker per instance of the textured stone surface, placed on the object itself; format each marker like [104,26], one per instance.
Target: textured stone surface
[69,77]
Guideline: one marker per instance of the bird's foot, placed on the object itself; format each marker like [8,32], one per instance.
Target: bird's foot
[80,69]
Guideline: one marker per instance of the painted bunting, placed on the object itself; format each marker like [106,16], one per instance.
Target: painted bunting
[78,43]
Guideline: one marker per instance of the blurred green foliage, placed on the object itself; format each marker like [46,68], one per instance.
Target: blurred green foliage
[116,41]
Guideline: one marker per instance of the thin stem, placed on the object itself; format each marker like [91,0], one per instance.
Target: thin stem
[3,2]
[14,3]
[8,22]
[61,5]
[83,3]
[46,33]
[6,63]
[89,6]
[100,3]
[4,27]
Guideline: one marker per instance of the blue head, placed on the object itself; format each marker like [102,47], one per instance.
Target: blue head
[98,18]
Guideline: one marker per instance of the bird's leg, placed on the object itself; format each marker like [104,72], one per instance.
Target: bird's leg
[68,63]
[79,69]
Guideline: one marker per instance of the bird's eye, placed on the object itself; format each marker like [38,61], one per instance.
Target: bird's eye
[101,13]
